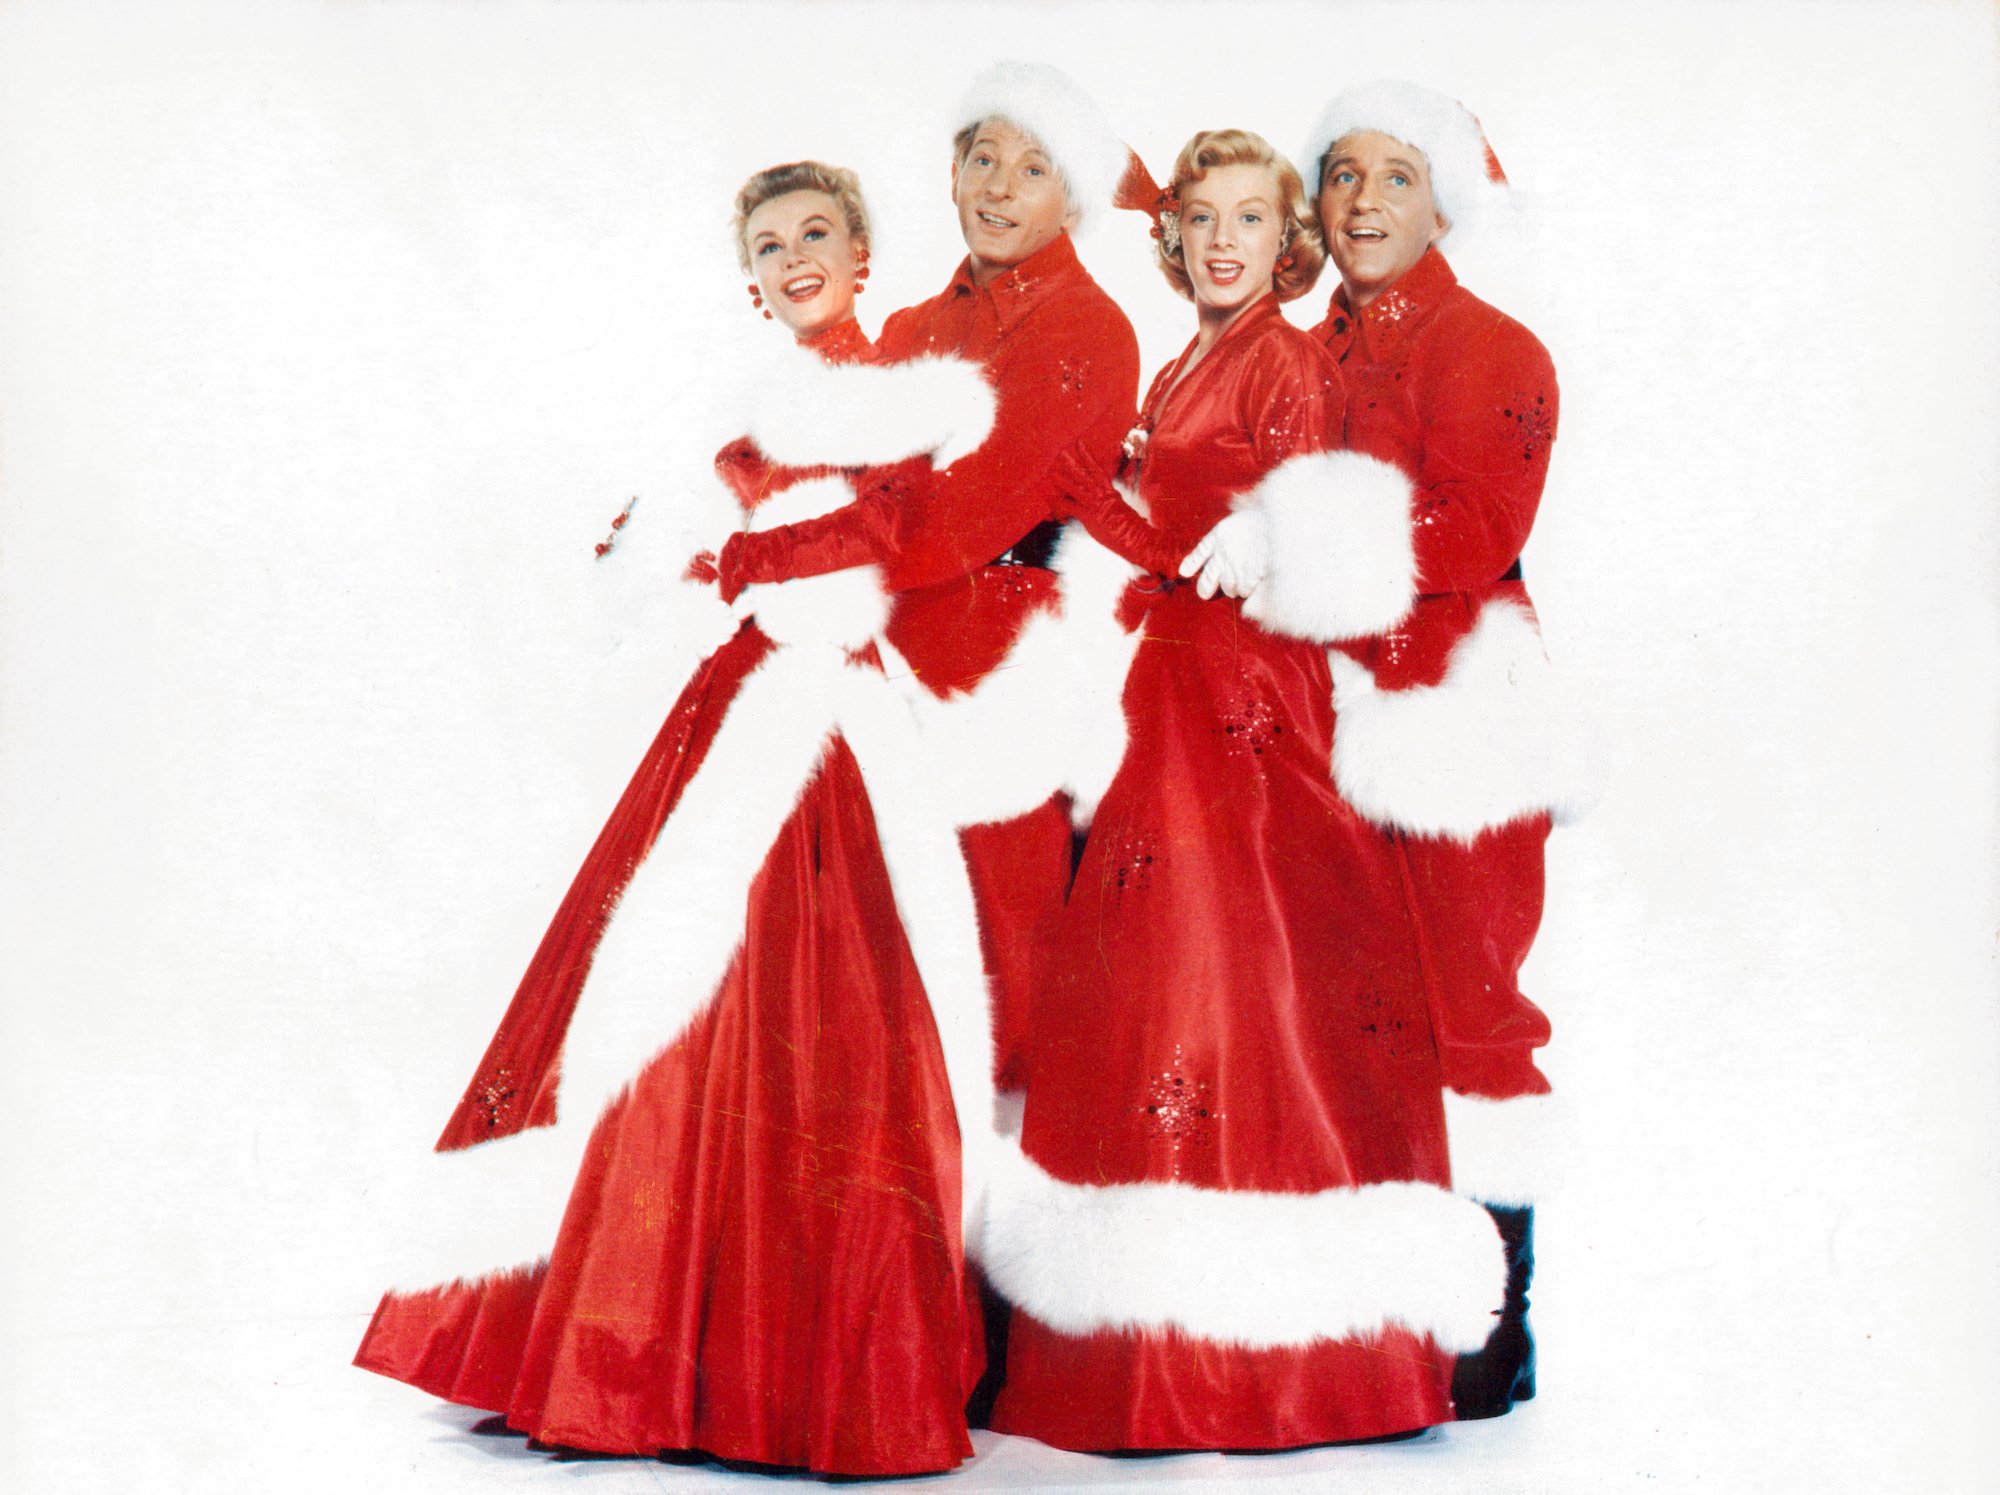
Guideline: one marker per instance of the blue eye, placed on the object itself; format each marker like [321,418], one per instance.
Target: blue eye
[764,249]
[982,159]
[1344,176]
[814,235]
[1253,217]
[1034,171]
[1399,179]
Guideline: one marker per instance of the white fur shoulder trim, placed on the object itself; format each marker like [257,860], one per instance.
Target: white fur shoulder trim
[811,414]
[1500,737]
[1343,564]
[1245,1268]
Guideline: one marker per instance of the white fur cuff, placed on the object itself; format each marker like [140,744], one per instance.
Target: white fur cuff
[809,413]
[1343,564]
[1502,1151]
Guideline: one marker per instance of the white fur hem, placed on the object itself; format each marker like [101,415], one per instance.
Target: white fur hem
[811,413]
[1343,565]
[1503,1151]
[1051,717]
[1245,1268]
[1499,738]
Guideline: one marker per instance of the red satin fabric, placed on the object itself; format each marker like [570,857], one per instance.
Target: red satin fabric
[1238,1002]
[761,1257]
[1464,399]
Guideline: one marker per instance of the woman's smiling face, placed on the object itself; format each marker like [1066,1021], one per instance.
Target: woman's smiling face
[1377,212]
[804,259]
[1232,230]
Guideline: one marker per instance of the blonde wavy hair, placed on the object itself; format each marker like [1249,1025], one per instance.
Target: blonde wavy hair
[1210,149]
[837,182]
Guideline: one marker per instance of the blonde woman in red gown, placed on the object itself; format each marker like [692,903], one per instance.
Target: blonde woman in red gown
[759,1253]
[1231,1226]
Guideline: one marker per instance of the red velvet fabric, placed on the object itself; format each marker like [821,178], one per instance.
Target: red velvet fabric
[1464,399]
[761,1257]
[1238,1002]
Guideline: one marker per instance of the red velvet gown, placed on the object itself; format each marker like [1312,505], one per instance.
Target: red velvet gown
[762,1255]
[1239,1005]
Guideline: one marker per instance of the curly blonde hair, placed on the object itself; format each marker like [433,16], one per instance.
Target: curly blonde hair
[1210,149]
[837,182]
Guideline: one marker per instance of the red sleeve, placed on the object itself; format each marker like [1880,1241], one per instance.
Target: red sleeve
[1487,433]
[1067,376]
[1070,376]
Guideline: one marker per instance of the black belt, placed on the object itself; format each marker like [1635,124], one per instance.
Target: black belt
[1036,548]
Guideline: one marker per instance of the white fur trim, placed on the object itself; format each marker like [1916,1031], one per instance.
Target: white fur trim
[663,956]
[1500,737]
[1343,564]
[1247,1268]
[812,413]
[1503,1151]
[844,609]
[1441,127]
[1072,129]
[1050,717]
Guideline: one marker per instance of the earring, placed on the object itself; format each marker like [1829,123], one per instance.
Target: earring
[1285,262]
[860,272]
[757,299]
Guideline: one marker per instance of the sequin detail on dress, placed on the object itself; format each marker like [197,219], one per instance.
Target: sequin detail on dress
[1536,429]
[1180,1108]
[1138,854]
[1249,728]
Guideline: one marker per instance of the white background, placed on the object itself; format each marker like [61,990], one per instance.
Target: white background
[333,337]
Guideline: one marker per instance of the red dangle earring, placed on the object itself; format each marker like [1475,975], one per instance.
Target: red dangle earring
[860,272]
[757,300]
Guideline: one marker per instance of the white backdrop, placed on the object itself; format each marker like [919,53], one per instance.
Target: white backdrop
[332,336]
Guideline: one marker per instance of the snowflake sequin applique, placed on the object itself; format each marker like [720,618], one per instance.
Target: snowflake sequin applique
[1181,1109]
[1533,424]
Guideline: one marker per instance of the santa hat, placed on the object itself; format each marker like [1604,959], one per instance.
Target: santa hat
[1465,174]
[1043,101]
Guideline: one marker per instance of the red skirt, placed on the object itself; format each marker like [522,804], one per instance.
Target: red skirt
[1239,1005]
[761,1258]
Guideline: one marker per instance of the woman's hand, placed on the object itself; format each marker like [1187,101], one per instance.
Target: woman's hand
[1233,558]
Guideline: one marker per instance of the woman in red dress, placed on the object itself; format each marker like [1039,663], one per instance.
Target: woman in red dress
[1230,1226]
[759,1253]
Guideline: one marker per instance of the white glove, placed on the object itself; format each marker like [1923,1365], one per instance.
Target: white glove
[1234,557]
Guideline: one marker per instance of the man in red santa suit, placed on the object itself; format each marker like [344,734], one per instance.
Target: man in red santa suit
[1451,730]
[966,550]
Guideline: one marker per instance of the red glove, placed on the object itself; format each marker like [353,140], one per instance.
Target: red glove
[1089,495]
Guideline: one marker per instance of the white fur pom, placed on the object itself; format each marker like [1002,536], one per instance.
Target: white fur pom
[814,414]
[1503,1151]
[1500,737]
[1068,123]
[1342,561]
[1246,1268]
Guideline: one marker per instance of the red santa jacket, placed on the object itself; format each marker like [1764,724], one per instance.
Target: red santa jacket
[1064,367]
[1404,552]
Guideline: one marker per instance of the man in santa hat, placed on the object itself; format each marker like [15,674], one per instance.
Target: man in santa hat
[1452,732]
[966,550]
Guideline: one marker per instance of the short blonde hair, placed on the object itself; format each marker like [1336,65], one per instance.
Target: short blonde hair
[1210,149]
[837,182]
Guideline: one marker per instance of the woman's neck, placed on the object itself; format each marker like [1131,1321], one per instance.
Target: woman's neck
[1216,320]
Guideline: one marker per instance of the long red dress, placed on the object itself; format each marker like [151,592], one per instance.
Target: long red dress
[1239,1008]
[761,1258]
